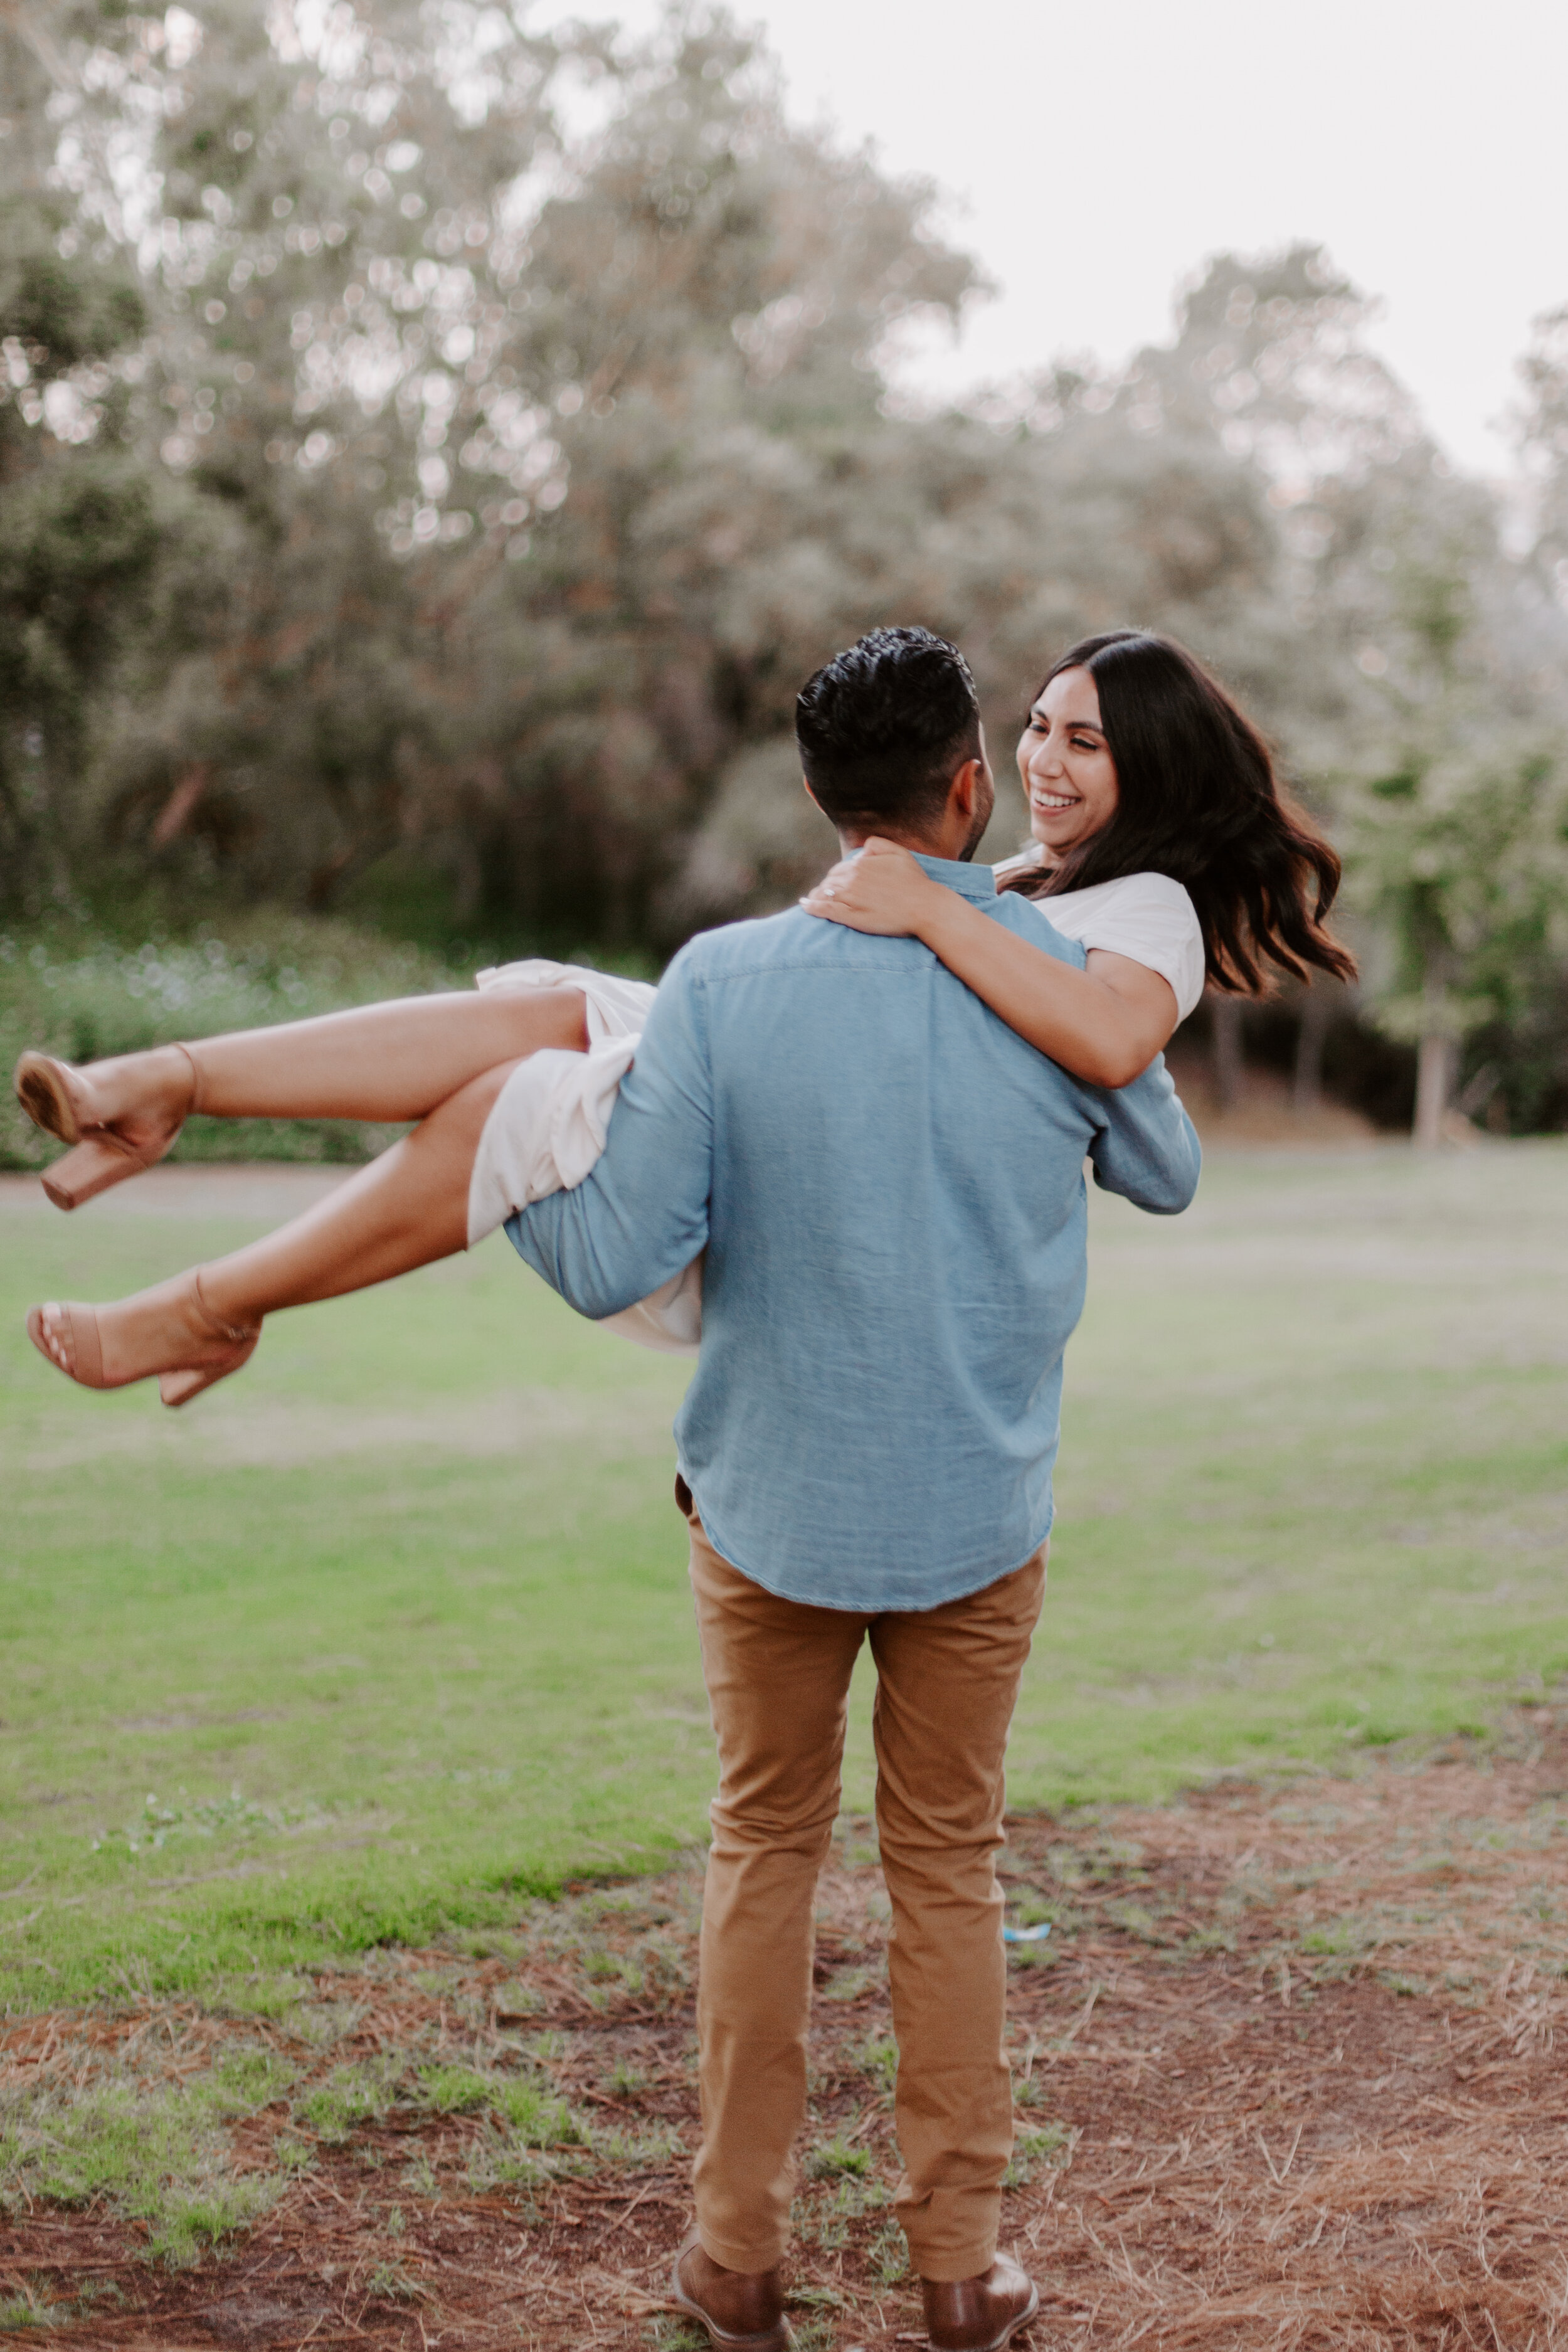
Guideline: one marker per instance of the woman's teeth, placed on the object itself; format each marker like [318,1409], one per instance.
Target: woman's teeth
[1055,800]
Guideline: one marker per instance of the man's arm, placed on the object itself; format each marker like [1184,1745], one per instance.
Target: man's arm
[1145,1146]
[641,1214]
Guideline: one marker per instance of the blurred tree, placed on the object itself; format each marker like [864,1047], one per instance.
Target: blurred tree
[1411,663]
[247,244]
[432,454]
[1543,440]
[329,191]
[80,527]
[678,447]
[1458,846]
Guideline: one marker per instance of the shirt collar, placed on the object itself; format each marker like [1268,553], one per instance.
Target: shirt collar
[976,882]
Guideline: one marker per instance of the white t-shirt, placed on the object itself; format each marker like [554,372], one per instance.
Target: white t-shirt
[1146,917]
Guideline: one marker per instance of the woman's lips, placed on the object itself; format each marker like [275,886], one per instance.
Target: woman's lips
[1054,805]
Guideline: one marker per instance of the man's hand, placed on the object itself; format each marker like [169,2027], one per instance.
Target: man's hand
[880,889]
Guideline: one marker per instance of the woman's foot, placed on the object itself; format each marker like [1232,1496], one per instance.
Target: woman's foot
[168,1331]
[122,1114]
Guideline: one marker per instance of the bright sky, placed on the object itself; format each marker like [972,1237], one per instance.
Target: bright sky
[1095,152]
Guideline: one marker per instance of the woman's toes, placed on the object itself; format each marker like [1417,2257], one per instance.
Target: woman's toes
[48,1325]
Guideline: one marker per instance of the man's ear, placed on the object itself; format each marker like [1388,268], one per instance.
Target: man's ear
[963,792]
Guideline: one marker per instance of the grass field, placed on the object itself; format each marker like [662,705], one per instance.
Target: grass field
[396,1624]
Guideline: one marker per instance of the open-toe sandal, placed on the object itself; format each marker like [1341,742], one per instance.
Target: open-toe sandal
[72,1337]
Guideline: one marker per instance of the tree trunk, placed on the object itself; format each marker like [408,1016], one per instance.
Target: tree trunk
[1224,1012]
[1434,1084]
[1307,1091]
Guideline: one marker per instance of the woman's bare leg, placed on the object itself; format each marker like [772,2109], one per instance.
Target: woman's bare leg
[404,1210]
[407,1208]
[391,1061]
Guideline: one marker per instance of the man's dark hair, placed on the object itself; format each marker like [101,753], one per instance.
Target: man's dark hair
[884,727]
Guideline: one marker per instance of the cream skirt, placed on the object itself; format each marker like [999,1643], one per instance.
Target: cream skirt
[547,1128]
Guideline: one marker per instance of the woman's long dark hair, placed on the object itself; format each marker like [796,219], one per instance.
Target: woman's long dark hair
[1198,799]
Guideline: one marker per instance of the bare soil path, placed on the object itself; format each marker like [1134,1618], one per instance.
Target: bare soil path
[1287,2076]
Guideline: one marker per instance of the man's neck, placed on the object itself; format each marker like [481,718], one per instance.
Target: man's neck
[951,852]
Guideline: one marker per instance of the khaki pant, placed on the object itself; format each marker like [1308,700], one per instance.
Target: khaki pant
[778,1680]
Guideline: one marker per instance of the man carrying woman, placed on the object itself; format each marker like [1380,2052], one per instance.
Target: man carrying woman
[856,1122]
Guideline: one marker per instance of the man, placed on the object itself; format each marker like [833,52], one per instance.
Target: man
[889,1185]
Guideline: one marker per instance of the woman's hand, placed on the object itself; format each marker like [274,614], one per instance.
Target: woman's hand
[880,889]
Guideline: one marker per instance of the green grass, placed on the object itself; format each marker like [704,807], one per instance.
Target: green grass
[395,1626]
[160,2156]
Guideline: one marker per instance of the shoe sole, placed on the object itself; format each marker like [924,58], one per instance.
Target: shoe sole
[98,1159]
[45,1096]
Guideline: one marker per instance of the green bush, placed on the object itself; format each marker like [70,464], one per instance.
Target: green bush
[73,987]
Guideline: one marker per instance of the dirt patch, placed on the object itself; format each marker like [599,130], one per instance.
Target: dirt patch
[1285,2072]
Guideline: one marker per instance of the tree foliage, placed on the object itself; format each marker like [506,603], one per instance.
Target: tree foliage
[432,453]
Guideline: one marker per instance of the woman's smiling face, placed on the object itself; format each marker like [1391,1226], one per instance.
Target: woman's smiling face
[1064,764]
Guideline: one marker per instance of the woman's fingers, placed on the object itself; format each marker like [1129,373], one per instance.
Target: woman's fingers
[837,905]
[883,889]
[830,897]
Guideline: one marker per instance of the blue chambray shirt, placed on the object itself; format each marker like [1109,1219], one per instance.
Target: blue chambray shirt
[889,1185]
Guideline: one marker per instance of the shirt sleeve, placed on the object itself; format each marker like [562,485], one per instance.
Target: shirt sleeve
[641,1213]
[1145,1146]
[1150,920]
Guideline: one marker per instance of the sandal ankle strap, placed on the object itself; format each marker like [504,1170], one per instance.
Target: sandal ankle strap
[236,1331]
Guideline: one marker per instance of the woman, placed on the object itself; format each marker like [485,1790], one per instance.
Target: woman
[1161,842]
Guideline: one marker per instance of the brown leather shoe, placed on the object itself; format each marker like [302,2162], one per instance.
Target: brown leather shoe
[979,2315]
[740,2309]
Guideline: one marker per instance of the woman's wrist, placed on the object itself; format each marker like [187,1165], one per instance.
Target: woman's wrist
[943,918]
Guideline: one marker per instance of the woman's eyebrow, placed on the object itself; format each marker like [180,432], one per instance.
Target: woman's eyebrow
[1073,725]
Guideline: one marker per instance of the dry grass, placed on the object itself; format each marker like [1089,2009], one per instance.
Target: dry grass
[1287,2077]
